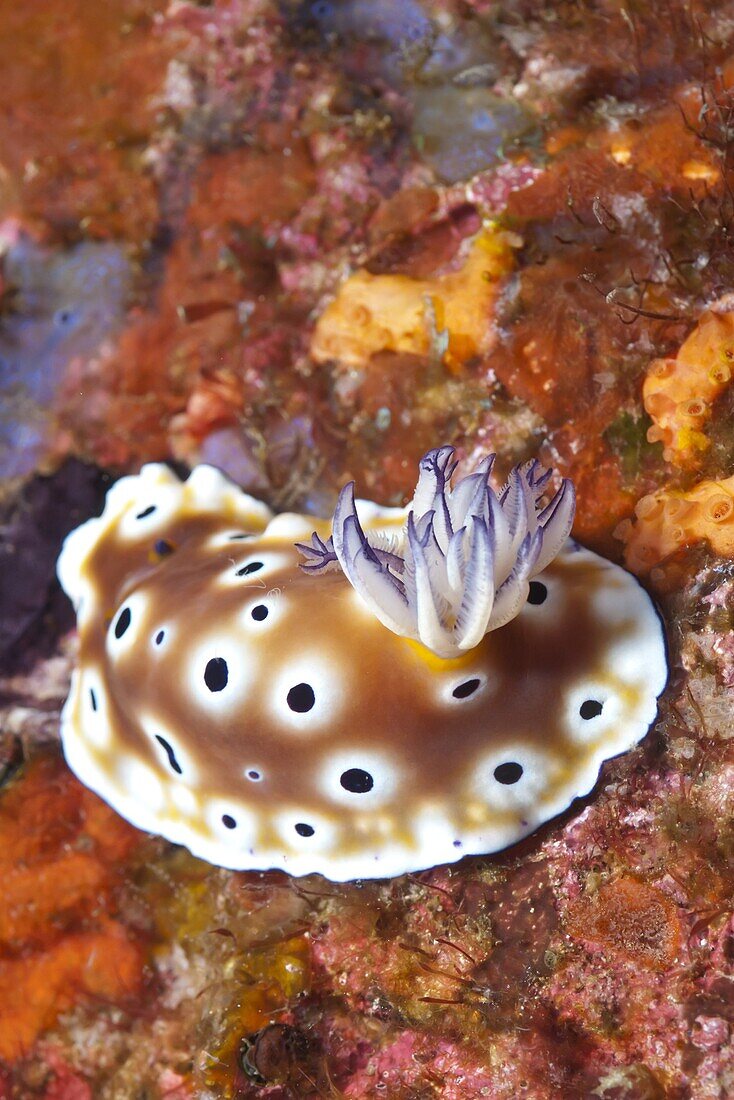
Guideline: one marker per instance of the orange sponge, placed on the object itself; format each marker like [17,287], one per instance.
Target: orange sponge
[679,393]
[670,519]
[450,314]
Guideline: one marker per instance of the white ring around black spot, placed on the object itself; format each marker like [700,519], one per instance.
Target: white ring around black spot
[228,821]
[253,775]
[159,637]
[360,777]
[303,829]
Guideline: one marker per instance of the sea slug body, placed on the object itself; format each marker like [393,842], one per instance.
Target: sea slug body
[408,687]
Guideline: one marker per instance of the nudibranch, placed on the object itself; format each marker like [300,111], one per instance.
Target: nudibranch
[378,695]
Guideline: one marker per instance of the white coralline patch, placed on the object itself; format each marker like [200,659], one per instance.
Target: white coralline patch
[437,682]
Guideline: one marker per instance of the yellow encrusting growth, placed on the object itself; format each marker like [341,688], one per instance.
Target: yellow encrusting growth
[671,519]
[400,313]
[679,393]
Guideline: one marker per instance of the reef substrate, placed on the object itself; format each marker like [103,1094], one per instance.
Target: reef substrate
[209,214]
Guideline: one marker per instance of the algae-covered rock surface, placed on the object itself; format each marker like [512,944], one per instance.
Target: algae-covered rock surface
[307,241]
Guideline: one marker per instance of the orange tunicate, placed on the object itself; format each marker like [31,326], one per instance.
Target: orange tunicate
[668,520]
[679,393]
[401,313]
[631,918]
